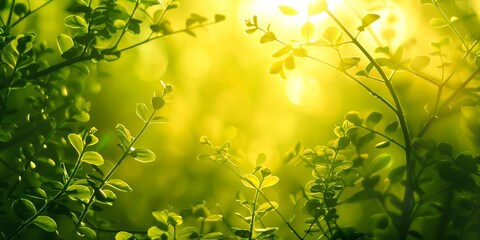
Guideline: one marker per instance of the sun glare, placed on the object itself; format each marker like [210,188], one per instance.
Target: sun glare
[303,92]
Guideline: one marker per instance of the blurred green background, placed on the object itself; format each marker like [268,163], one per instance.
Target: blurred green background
[223,90]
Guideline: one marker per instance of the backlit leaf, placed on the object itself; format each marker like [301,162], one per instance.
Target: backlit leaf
[419,63]
[213,236]
[284,50]
[378,163]
[76,141]
[287,10]
[269,181]
[119,185]
[317,7]
[46,223]
[438,23]
[78,191]
[214,218]
[92,157]
[64,43]
[367,20]
[251,181]
[123,236]
[86,232]
[265,207]
[268,37]
[276,67]
[143,155]
[141,111]
[75,21]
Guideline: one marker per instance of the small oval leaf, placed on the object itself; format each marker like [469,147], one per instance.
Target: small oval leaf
[141,111]
[269,181]
[76,141]
[93,158]
[46,223]
[23,208]
[143,155]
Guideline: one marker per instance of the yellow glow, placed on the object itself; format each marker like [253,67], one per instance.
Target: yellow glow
[270,13]
[304,92]
[392,26]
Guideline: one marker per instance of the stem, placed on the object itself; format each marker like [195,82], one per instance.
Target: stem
[449,100]
[58,66]
[384,136]
[25,224]
[239,172]
[445,17]
[408,199]
[252,221]
[162,36]
[9,19]
[137,3]
[115,167]
[34,157]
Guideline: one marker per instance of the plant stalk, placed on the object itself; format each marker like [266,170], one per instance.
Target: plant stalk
[408,198]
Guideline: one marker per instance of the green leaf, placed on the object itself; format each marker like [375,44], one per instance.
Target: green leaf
[119,185]
[284,50]
[317,7]
[378,163]
[159,119]
[367,20]
[438,23]
[143,155]
[268,37]
[382,144]
[445,149]
[155,233]
[64,43]
[307,30]
[175,219]
[265,207]
[261,158]
[243,233]
[419,63]
[467,162]
[429,210]
[142,111]
[158,102]
[123,236]
[20,9]
[78,192]
[46,223]
[276,67]
[391,128]
[287,10]
[332,34]
[373,119]
[214,218]
[92,157]
[213,236]
[75,21]
[124,134]
[396,174]
[219,18]
[269,181]
[76,141]
[359,196]
[5,136]
[251,181]
[347,63]
[86,232]
[23,208]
